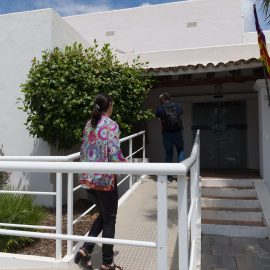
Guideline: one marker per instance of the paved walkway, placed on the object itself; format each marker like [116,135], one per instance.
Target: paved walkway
[137,220]
[228,253]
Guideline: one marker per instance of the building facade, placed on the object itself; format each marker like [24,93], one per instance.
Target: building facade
[199,52]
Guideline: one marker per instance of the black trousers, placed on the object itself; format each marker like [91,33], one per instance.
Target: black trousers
[107,204]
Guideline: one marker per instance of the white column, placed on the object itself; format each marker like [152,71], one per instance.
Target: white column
[264,130]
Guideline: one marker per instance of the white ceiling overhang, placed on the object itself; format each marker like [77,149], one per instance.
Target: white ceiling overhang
[199,60]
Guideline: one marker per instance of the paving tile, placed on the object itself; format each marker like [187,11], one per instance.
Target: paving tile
[265,263]
[262,253]
[211,239]
[234,251]
[254,242]
[219,261]
[206,249]
[250,264]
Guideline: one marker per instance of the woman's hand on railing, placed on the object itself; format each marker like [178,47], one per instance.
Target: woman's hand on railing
[127,160]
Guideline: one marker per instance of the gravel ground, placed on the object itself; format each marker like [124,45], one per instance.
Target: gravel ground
[46,247]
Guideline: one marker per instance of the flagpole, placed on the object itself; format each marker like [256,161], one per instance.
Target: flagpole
[266,83]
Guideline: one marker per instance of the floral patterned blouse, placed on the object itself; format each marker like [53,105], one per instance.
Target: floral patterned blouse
[100,144]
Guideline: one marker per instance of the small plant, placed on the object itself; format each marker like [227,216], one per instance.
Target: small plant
[18,209]
[4,176]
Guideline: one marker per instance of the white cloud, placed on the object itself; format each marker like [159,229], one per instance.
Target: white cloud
[74,9]
[70,7]
[145,4]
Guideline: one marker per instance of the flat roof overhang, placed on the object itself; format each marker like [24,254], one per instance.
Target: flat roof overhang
[198,60]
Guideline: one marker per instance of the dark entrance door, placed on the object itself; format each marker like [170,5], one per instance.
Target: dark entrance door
[223,133]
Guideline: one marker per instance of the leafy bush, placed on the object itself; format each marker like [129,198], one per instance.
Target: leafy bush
[4,176]
[60,90]
[18,209]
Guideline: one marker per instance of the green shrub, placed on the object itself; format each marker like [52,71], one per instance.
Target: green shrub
[60,90]
[18,209]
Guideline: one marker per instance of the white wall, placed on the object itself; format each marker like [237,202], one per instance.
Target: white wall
[195,56]
[164,27]
[264,130]
[252,37]
[23,37]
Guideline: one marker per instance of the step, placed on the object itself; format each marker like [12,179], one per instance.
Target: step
[232,215]
[232,209]
[229,198]
[233,222]
[229,203]
[229,191]
[235,230]
[227,183]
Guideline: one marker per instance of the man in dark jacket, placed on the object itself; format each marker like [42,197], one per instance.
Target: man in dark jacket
[173,137]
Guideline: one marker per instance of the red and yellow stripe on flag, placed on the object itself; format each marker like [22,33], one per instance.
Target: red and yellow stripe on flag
[262,43]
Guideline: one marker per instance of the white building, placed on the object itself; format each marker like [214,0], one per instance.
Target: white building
[198,50]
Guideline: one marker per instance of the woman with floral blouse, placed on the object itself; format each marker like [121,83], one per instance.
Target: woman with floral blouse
[101,144]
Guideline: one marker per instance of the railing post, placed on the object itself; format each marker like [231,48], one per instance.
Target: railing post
[162,219]
[193,225]
[182,222]
[143,146]
[199,214]
[130,160]
[58,215]
[70,213]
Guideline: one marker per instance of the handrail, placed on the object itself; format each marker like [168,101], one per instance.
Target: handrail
[60,158]
[80,238]
[187,218]
[64,159]
[95,167]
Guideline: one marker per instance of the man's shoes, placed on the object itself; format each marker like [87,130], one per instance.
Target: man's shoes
[169,181]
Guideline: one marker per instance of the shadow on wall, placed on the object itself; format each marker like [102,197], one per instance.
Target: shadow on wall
[32,181]
[46,182]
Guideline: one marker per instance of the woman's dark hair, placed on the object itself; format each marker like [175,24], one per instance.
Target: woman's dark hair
[101,104]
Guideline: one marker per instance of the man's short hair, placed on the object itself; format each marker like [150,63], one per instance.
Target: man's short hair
[164,96]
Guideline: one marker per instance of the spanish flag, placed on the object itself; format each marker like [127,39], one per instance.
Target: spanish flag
[262,43]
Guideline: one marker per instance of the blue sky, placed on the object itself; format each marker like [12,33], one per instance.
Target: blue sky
[76,7]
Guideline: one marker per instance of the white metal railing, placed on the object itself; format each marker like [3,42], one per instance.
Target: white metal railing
[70,191]
[187,218]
